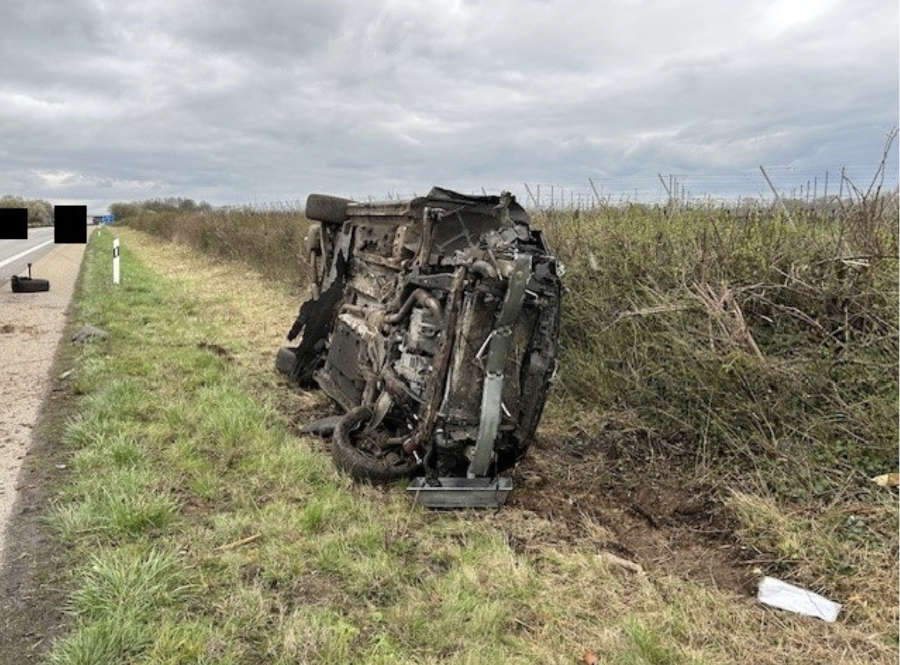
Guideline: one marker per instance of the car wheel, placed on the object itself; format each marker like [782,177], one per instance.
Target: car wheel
[356,452]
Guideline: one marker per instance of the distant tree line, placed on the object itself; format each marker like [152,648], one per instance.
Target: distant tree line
[124,210]
[40,212]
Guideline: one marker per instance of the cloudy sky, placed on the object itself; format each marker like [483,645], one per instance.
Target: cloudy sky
[237,102]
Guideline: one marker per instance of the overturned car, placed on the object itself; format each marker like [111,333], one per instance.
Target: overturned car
[433,324]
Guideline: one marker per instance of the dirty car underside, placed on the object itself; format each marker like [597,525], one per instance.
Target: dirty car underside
[433,324]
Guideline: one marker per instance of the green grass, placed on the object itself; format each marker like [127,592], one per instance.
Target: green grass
[179,452]
[174,458]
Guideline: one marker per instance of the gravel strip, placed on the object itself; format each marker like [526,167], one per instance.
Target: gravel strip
[31,325]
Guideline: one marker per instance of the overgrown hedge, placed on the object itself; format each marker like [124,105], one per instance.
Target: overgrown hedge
[270,242]
[717,331]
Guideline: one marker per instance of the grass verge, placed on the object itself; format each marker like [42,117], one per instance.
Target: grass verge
[201,529]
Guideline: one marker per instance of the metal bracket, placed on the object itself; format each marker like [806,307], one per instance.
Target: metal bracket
[492,392]
[461,492]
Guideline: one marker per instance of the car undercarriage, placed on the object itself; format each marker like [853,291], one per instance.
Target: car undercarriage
[433,324]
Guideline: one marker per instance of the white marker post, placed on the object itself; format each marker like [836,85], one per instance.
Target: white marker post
[115,260]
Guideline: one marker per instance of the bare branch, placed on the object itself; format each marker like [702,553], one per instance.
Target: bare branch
[879,172]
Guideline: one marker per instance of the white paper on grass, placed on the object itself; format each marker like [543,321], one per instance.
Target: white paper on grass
[786,596]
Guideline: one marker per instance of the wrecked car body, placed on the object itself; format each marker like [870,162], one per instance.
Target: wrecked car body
[433,323]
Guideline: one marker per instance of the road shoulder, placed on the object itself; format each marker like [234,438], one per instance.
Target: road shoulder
[32,572]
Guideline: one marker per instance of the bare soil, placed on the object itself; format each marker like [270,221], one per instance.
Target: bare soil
[654,513]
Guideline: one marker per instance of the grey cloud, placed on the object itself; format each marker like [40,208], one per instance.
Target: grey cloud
[236,102]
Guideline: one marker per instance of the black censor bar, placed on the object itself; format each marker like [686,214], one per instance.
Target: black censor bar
[69,224]
[13,223]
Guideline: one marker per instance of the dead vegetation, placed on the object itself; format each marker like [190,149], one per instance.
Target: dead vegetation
[270,241]
[748,361]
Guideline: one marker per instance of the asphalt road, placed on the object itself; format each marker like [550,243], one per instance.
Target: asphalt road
[15,255]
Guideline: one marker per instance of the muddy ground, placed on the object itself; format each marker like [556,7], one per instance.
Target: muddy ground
[655,514]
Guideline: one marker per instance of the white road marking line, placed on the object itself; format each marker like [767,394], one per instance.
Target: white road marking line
[27,251]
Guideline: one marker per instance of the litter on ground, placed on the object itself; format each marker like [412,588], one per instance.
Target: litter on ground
[786,596]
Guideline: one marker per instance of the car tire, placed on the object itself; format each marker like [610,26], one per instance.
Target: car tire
[29,285]
[330,209]
[358,464]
